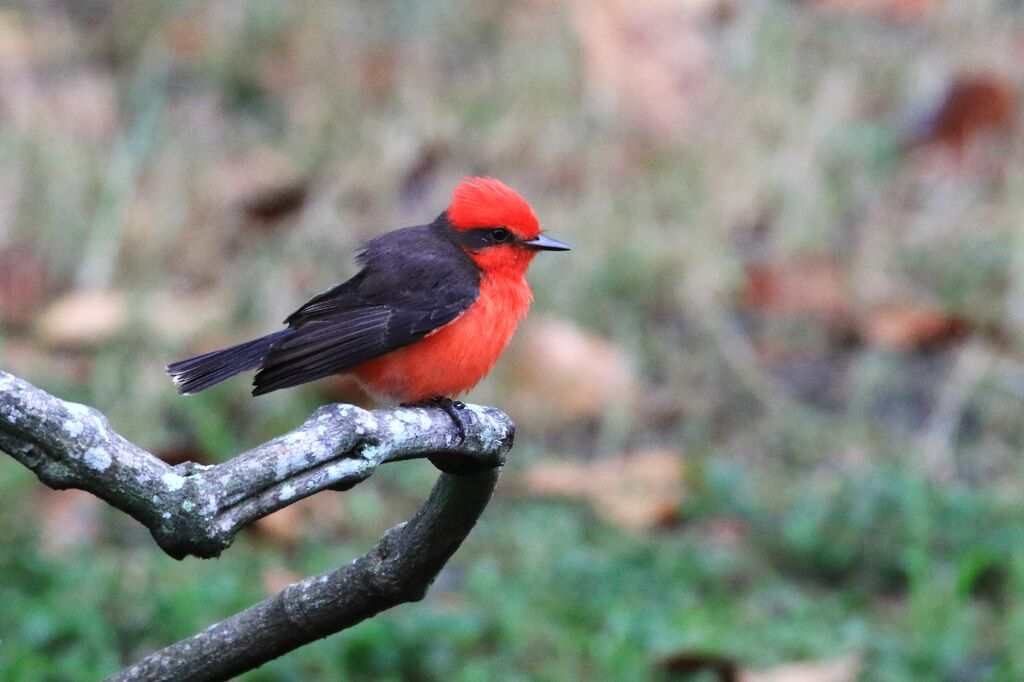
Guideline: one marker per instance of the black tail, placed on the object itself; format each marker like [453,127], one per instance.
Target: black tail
[203,371]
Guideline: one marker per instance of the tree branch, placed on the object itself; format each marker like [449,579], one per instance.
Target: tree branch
[194,509]
[198,510]
[399,569]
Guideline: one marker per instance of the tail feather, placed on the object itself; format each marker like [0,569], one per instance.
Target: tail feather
[203,371]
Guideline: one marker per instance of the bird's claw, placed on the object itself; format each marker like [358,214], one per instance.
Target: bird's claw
[451,407]
[449,462]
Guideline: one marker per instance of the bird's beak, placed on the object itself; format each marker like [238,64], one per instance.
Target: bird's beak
[544,243]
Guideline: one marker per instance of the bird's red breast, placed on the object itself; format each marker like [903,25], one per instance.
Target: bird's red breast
[453,359]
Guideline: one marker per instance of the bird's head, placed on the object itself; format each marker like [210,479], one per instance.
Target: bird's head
[496,227]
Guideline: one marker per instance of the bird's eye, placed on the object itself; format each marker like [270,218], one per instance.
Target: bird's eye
[500,234]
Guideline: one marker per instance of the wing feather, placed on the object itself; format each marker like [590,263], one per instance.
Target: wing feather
[412,283]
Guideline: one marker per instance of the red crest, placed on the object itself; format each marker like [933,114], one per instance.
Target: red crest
[486,202]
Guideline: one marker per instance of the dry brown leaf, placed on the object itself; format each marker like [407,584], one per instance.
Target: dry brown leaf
[724,668]
[242,181]
[972,105]
[844,669]
[729,669]
[267,205]
[647,61]
[907,326]
[561,373]
[83,319]
[638,491]
[815,288]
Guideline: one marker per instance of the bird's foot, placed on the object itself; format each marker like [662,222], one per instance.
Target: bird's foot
[450,462]
[451,407]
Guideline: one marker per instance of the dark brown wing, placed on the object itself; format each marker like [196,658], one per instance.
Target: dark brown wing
[413,281]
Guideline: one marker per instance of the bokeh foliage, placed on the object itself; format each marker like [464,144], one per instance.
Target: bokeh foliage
[844,493]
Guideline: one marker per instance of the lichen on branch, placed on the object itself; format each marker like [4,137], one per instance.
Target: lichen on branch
[197,510]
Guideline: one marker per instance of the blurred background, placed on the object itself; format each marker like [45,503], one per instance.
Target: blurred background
[775,430]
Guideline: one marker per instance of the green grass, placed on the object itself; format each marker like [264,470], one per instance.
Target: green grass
[920,580]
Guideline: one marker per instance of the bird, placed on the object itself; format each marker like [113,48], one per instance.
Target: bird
[425,318]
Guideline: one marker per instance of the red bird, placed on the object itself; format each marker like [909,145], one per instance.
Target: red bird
[424,319]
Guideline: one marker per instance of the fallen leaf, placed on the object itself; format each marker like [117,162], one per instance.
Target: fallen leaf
[647,62]
[816,288]
[267,205]
[637,491]
[724,668]
[83,319]
[263,184]
[906,326]
[561,373]
[972,105]
[729,669]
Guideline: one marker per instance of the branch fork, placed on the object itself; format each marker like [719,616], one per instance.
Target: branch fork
[197,510]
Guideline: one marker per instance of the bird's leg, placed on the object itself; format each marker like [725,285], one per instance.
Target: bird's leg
[451,407]
[451,463]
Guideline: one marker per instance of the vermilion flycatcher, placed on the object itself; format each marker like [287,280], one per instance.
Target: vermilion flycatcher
[424,319]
